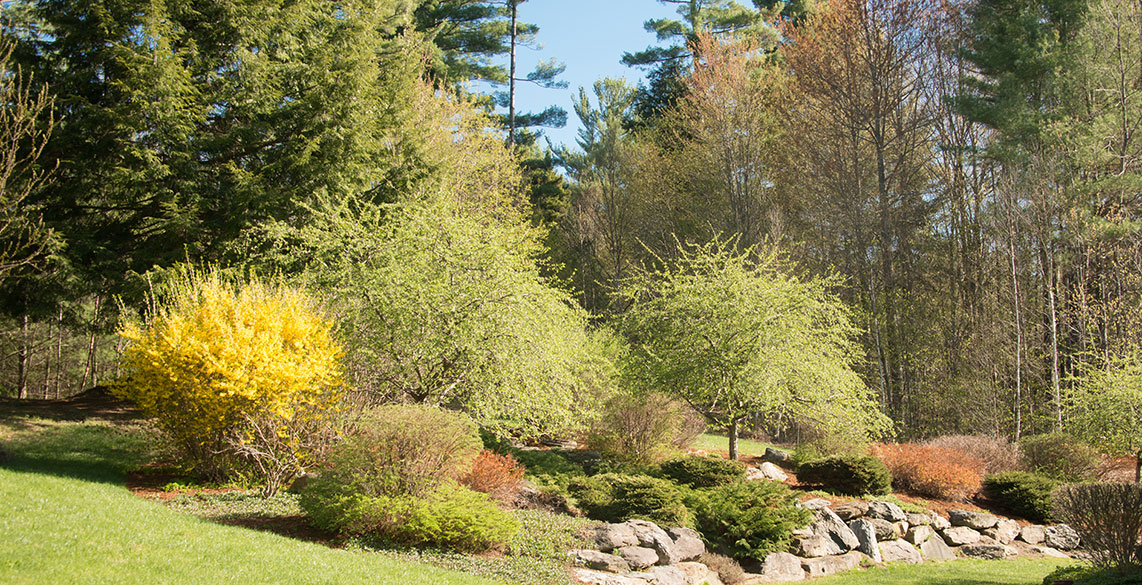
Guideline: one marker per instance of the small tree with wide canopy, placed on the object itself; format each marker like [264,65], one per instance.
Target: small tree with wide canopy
[732,333]
[1108,409]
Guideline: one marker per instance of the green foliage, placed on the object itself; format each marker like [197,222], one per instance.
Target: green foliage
[1107,406]
[703,472]
[1060,456]
[1024,494]
[852,475]
[729,333]
[235,375]
[748,519]
[617,498]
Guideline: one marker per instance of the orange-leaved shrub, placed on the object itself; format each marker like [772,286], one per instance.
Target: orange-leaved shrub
[495,474]
[243,377]
[935,472]
[997,453]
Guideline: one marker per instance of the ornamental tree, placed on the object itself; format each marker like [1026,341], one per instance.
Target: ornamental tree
[734,335]
[1108,409]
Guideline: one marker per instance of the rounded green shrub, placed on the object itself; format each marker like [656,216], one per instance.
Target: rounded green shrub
[702,472]
[617,498]
[748,519]
[851,475]
[1060,456]
[1022,493]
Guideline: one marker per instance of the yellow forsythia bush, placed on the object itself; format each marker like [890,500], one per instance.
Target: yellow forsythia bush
[244,376]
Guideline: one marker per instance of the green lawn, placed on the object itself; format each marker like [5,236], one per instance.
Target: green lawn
[961,572]
[66,517]
[747,447]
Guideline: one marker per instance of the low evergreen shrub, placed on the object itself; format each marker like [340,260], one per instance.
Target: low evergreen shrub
[1060,456]
[852,475]
[748,519]
[702,472]
[1022,493]
[617,498]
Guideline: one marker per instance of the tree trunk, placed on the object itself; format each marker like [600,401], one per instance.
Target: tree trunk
[511,76]
[734,439]
[23,358]
[1138,467]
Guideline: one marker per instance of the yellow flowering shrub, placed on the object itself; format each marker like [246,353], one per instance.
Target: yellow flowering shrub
[244,376]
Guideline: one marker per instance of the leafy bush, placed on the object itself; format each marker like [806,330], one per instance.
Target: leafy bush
[1060,456]
[852,475]
[728,570]
[617,498]
[242,378]
[1108,518]
[997,453]
[935,472]
[1022,493]
[494,474]
[700,472]
[641,429]
[748,519]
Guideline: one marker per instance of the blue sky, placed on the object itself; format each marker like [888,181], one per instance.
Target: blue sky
[589,36]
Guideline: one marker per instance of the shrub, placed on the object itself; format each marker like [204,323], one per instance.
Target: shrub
[852,475]
[728,570]
[617,498]
[494,474]
[700,472]
[1022,493]
[1108,518]
[240,377]
[748,519]
[997,453]
[641,429]
[935,472]
[1060,456]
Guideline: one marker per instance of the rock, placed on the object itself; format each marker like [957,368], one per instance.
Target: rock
[776,456]
[772,472]
[939,522]
[984,551]
[973,520]
[850,510]
[898,551]
[885,530]
[935,549]
[638,557]
[1062,537]
[817,546]
[781,567]
[1033,534]
[918,519]
[959,536]
[1004,531]
[829,524]
[865,531]
[697,573]
[600,561]
[592,577]
[566,444]
[918,534]
[886,511]
[1050,552]
[667,576]
[816,504]
[805,532]
[901,528]
[831,565]
[651,536]
[611,536]
[687,543]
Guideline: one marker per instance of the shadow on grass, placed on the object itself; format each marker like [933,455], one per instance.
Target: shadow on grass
[91,452]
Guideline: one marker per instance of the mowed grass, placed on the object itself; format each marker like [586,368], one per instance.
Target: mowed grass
[960,572]
[721,443]
[66,517]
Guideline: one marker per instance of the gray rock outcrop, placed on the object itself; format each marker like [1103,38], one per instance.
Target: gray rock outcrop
[638,557]
[1062,537]
[611,536]
[973,520]
[865,531]
[851,510]
[600,561]
[1033,534]
[1004,531]
[781,568]
[935,549]
[829,524]
[831,565]
[918,534]
[886,511]
[899,551]
[984,551]
[959,536]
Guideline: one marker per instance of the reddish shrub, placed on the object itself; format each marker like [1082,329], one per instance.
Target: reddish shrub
[935,472]
[494,474]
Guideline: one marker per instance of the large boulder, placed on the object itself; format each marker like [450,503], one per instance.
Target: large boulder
[611,536]
[817,545]
[850,510]
[992,552]
[1062,537]
[600,561]
[865,531]
[939,522]
[885,530]
[816,504]
[771,472]
[973,520]
[781,567]
[688,543]
[899,551]
[935,549]
[651,536]
[697,574]
[1004,531]
[918,519]
[886,511]
[959,536]
[918,534]
[1033,534]
[1049,552]
[776,456]
[638,557]
[829,524]
[668,576]
[593,577]
[823,566]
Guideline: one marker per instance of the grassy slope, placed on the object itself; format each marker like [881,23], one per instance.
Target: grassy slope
[65,517]
[961,572]
[746,447]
